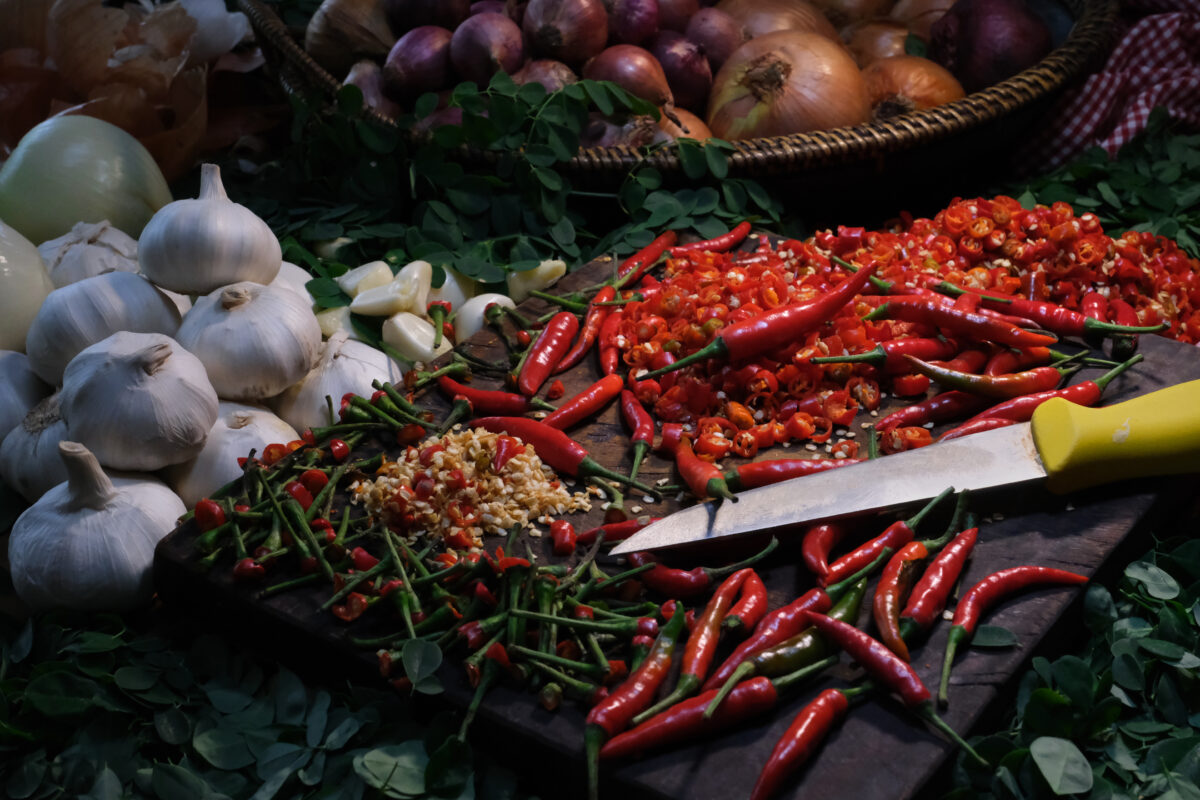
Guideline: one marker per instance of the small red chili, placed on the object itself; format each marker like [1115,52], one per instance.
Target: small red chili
[299,493]
[248,570]
[314,480]
[356,603]
[363,560]
[557,389]
[337,448]
[562,533]
[209,514]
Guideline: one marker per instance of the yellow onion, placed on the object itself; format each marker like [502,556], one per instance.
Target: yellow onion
[919,15]
[787,82]
[760,17]
[898,84]
[874,39]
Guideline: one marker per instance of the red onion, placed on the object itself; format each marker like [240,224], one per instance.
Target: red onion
[419,62]
[451,115]
[632,21]
[767,16]
[633,69]
[604,132]
[553,75]
[983,43]
[673,15]
[367,76]
[404,15]
[485,44]
[489,6]
[516,10]
[875,39]
[716,34]
[570,31]
[686,68]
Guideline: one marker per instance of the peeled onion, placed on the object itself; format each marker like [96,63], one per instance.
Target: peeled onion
[673,15]
[787,82]
[634,69]
[485,44]
[418,62]
[716,33]
[570,31]
[761,17]
[404,15]
[688,74]
[919,15]
[899,84]
[552,75]
[632,21]
[875,39]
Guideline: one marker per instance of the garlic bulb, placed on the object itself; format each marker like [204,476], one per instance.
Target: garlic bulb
[412,337]
[295,279]
[196,246]
[20,389]
[24,285]
[254,340]
[238,430]
[470,319]
[29,460]
[89,249]
[345,366]
[89,543]
[138,401]
[87,311]
[408,291]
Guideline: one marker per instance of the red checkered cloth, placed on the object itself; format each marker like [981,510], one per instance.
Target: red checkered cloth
[1156,63]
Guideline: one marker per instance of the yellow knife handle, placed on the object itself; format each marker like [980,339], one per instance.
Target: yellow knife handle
[1155,434]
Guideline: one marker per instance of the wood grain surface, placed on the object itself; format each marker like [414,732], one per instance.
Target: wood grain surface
[879,752]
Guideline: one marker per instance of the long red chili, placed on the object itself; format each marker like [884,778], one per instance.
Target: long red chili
[939,408]
[633,268]
[818,542]
[976,426]
[763,473]
[889,356]
[894,582]
[802,738]
[556,448]
[588,402]
[980,597]
[701,645]
[615,531]
[642,426]
[973,324]
[779,326]
[686,583]
[750,607]
[1011,360]
[608,349]
[589,331]
[703,478]
[552,343]
[929,594]
[719,244]
[490,401]
[612,714]
[997,387]
[1066,321]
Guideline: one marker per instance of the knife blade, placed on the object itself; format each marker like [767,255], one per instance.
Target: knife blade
[1066,446]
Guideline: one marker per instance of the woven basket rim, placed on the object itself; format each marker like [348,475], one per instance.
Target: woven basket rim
[1092,31]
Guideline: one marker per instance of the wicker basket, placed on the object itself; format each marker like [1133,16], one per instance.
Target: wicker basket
[986,111]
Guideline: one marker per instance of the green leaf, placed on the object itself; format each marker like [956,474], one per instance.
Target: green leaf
[563,232]
[172,726]
[223,748]
[342,733]
[396,770]
[914,45]
[291,698]
[174,782]
[349,99]
[429,685]
[1062,765]
[1128,672]
[691,158]
[718,162]
[27,777]
[318,714]
[1161,648]
[135,679]
[421,659]
[993,636]
[60,694]
[1098,608]
[548,178]
[1169,702]
[23,643]
[1045,714]
[92,642]
[375,138]
[1074,677]
[107,786]
[426,104]
[450,768]
[599,95]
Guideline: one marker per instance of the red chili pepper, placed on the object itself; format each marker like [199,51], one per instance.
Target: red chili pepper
[910,385]
[590,330]
[879,662]
[552,343]
[437,311]
[353,608]
[889,356]
[764,332]
[588,402]
[208,514]
[556,390]
[976,426]
[615,531]
[506,449]
[765,473]
[610,351]
[339,449]
[703,478]
[996,387]
[299,493]
[808,729]
[719,244]
[701,645]
[1095,306]
[819,541]
[487,401]
[642,426]
[892,539]
[363,560]
[1065,321]
[751,606]
[930,593]
[314,480]
[983,595]
[634,267]
[1084,393]
[277,450]
[894,583]
[689,583]
[972,324]
[248,570]
[970,360]
[562,534]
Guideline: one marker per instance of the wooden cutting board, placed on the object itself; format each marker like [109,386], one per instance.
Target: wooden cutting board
[878,752]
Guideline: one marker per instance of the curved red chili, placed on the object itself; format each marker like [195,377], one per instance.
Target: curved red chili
[1084,393]
[588,402]
[750,607]
[894,582]
[889,356]
[609,350]
[996,387]
[562,534]
[703,478]
[589,331]
[880,663]
[685,583]
[720,244]
[552,343]
[973,324]
[892,539]
[634,267]
[929,594]
[819,541]
[976,426]
[642,426]
[1011,360]
[939,408]
[489,401]
[764,473]
[802,738]
[615,531]
[1095,306]
[1066,321]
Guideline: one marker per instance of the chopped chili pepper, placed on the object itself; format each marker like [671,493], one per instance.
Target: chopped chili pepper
[362,559]
[592,322]
[702,477]
[892,539]
[894,583]
[208,514]
[719,244]
[930,593]
[910,385]
[314,480]
[506,449]
[552,343]
[750,607]
[356,603]
[808,729]
[588,402]
[562,533]
[299,493]
[339,449]
[689,583]
[996,387]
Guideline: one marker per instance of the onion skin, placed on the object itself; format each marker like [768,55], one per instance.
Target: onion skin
[632,21]
[875,39]
[419,62]
[484,45]
[404,15]
[570,31]
[673,15]
[787,82]
[696,129]
[489,6]
[920,15]
[847,12]
[760,17]
[983,43]
[602,131]
[552,75]
[368,77]
[899,84]
[635,70]
[716,34]
[688,73]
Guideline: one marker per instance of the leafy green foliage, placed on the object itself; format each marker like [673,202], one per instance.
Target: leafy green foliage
[91,709]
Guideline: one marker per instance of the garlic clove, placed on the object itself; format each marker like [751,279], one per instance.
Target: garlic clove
[470,319]
[294,278]
[406,292]
[367,276]
[412,337]
[337,319]
[29,459]
[545,274]
[89,249]
[419,275]
[456,288]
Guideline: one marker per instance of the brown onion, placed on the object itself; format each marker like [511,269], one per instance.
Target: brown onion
[634,69]
[552,75]
[846,12]
[485,44]
[919,15]
[874,39]
[686,68]
[689,126]
[570,31]
[903,83]
[419,62]
[716,34]
[787,82]
[404,15]
[673,15]
[759,17]
[632,21]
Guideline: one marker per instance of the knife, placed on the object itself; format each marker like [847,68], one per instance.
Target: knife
[1065,446]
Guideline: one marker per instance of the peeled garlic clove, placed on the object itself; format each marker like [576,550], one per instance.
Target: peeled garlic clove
[89,542]
[20,389]
[89,249]
[367,276]
[29,459]
[520,284]
[470,318]
[139,401]
[337,319]
[406,292]
[295,279]
[456,289]
[87,311]
[254,340]
[239,429]
[197,246]
[412,337]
